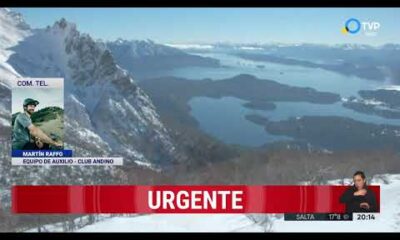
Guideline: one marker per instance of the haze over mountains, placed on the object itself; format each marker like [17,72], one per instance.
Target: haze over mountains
[144,57]
[379,63]
[118,104]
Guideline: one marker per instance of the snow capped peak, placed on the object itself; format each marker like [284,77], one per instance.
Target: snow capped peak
[149,41]
[63,28]
[14,26]
[133,42]
[104,99]
[13,29]
[391,87]
[15,18]
[191,46]
[138,48]
[353,46]
[4,10]
[120,41]
[64,25]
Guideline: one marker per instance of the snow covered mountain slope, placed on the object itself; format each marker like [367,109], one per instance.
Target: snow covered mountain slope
[12,30]
[5,105]
[103,103]
[388,220]
[106,113]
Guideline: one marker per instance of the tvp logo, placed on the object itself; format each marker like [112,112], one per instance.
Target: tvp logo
[355,26]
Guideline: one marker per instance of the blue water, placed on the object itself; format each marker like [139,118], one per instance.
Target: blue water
[225,118]
[316,78]
[286,110]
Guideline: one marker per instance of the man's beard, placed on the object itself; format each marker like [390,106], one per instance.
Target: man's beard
[30,112]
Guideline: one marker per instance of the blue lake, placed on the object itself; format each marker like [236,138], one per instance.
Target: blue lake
[316,78]
[225,118]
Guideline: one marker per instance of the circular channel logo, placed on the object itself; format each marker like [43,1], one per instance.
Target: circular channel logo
[352,26]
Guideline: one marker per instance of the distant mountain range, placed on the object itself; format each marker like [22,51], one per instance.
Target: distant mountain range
[141,57]
[379,63]
[284,46]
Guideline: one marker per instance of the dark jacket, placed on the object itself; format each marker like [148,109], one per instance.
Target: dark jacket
[353,202]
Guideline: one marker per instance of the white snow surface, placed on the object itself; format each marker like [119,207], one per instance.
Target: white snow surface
[12,30]
[392,87]
[176,223]
[387,221]
[190,46]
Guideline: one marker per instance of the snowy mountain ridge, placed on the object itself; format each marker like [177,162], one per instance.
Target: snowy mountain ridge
[12,30]
[115,108]
[105,112]
[140,48]
[266,46]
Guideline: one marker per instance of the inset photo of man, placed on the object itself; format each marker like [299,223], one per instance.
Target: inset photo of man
[37,118]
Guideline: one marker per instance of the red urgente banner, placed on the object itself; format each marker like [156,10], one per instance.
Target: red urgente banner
[64,199]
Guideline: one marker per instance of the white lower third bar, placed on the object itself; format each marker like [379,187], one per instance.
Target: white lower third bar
[68,161]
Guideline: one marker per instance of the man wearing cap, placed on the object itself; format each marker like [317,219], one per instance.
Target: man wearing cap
[24,129]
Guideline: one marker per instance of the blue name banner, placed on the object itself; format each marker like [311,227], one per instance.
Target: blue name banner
[41,153]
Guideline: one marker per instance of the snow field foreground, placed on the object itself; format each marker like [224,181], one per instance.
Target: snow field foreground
[388,219]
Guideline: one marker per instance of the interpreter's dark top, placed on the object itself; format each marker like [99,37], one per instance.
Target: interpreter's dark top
[353,202]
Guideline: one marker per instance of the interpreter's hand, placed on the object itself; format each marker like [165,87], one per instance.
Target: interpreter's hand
[364,205]
[361,192]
